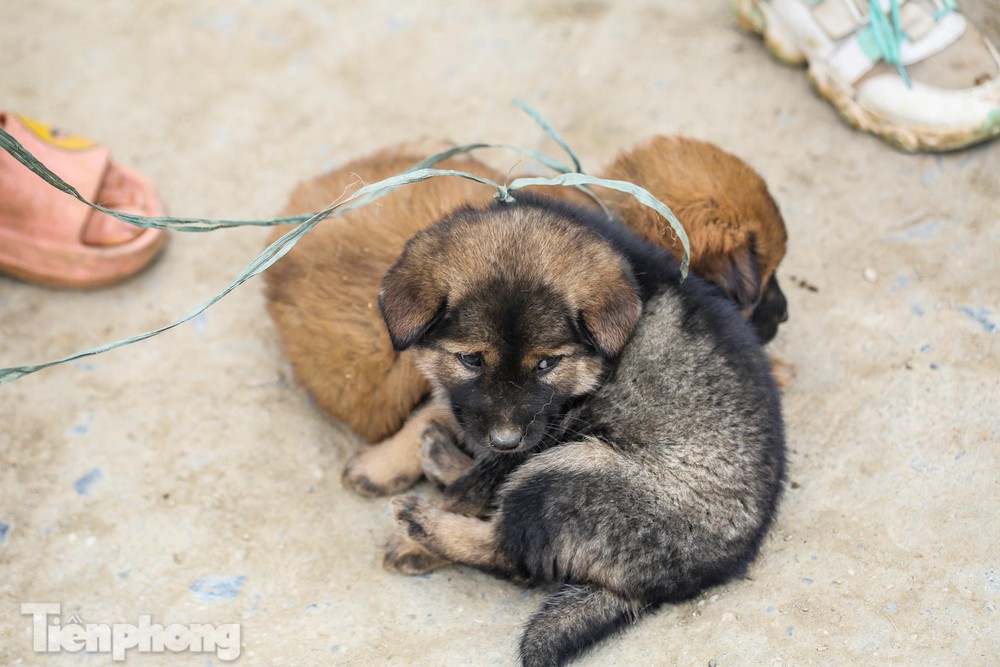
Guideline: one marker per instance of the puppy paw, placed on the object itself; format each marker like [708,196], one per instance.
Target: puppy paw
[405,556]
[441,459]
[782,372]
[371,472]
[412,513]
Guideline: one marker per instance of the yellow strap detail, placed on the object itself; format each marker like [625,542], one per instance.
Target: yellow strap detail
[54,137]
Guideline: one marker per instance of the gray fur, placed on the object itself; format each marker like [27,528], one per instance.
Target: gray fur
[661,482]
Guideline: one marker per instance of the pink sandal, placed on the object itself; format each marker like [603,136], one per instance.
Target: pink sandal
[50,238]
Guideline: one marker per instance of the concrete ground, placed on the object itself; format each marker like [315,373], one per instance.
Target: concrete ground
[189,478]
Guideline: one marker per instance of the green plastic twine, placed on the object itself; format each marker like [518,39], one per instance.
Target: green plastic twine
[573,177]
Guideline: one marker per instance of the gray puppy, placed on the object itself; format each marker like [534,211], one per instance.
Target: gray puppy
[625,461]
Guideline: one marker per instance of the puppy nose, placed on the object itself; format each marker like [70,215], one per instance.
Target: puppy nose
[505,439]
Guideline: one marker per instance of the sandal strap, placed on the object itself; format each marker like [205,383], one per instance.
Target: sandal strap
[34,209]
[79,161]
[861,53]
[843,35]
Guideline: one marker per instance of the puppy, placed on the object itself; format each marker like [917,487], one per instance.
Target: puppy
[736,232]
[625,462]
[322,295]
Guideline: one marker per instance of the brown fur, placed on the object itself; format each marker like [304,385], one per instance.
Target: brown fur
[394,464]
[405,555]
[602,289]
[724,205]
[322,296]
[452,537]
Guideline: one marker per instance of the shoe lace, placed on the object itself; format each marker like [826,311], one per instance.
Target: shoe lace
[887,31]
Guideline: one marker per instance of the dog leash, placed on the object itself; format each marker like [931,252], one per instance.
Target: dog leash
[569,176]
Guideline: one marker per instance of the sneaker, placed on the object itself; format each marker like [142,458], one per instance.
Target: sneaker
[916,73]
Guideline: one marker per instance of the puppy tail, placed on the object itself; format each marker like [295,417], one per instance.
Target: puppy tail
[573,619]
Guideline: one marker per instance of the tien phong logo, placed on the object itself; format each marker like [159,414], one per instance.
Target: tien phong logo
[50,634]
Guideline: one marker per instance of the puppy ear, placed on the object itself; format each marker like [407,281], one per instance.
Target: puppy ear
[606,321]
[411,299]
[738,274]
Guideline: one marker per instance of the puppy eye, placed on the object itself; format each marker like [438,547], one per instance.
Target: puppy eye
[547,364]
[471,361]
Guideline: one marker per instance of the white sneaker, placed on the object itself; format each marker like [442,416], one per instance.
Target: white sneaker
[919,76]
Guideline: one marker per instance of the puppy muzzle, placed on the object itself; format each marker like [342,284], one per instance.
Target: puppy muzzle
[505,440]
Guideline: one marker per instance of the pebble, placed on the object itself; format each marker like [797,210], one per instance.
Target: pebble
[870,274]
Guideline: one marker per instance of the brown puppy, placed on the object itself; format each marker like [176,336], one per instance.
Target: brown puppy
[323,294]
[736,232]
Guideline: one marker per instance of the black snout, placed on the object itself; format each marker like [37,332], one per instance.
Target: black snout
[505,439]
[770,312]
